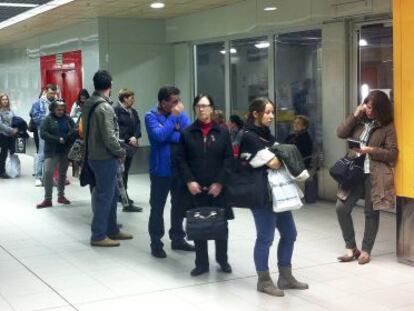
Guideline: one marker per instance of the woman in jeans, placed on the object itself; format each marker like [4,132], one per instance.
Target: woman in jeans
[7,133]
[58,131]
[254,149]
[204,160]
[372,124]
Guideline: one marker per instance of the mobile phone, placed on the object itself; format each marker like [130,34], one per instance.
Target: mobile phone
[353,143]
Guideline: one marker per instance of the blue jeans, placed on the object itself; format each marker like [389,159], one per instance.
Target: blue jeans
[160,187]
[104,198]
[40,159]
[266,223]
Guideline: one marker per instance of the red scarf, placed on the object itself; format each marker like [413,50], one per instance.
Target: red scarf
[205,127]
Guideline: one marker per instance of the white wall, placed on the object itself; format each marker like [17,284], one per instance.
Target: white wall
[135,53]
[20,61]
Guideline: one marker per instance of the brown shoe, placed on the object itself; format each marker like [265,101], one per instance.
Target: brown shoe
[44,204]
[107,242]
[122,236]
[363,259]
[346,258]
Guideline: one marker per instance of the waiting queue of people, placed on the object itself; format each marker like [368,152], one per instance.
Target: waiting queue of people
[193,161]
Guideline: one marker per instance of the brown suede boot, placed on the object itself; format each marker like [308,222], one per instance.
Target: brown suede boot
[266,285]
[287,281]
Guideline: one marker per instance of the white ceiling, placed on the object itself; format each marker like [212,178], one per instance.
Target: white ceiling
[83,10]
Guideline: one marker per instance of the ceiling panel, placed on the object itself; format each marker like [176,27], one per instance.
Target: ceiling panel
[83,10]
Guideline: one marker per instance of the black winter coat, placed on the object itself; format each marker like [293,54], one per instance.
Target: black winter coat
[205,160]
[128,126]
[49,132]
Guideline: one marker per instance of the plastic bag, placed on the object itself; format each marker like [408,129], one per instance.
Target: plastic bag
[13,168]
[286,195]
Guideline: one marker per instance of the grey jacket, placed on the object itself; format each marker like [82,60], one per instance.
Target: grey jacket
[103,140]
[290,156]
[6,116]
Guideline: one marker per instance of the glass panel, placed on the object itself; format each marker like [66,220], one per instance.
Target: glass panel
[210,72]
[249,72]
[376,59]
[298,82]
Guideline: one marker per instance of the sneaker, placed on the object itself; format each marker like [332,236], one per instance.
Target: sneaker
[121,236]
[44,204]
[132,208]
[107,242]
[183,246]
[158,253]
[38,183]
[63,200]
[199,271]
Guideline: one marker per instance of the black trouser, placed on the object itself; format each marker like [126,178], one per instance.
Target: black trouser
[344,210]
[6,145]
[160,187]
[36,139]
[201,246]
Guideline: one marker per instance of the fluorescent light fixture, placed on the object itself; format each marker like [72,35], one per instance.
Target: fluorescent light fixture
[363,42]
[262,45]
[33,12]
[232,51]
[157,5]
[270,8]
[18,5]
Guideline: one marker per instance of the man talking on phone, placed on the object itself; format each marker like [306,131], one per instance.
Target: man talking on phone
[164,123]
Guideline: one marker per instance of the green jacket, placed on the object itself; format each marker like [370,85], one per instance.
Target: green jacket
[103,140]
[49,132]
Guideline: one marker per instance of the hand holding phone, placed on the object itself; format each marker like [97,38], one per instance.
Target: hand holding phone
[360,110]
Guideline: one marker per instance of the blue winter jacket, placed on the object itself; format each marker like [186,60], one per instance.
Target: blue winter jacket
[163,136]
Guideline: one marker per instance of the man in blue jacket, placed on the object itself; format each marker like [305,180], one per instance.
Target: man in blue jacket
[38,112]
[163,124]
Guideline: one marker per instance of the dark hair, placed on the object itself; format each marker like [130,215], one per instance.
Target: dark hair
[52,87]
[56,103]
[200,96]
[102,80]
[259,105]
[124,93]
[304,119]
[166,91]
[237,120]
[381,105]
[83,93]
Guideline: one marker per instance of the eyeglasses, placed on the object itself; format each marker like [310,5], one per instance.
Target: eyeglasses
[199,107]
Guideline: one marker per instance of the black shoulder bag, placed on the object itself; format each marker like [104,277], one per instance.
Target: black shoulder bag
[347,171]
[248,187]
[87,177]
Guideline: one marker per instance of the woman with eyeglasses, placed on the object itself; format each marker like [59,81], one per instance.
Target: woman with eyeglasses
[204,160]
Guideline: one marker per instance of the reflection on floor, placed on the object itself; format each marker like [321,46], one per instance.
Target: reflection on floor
[46,262]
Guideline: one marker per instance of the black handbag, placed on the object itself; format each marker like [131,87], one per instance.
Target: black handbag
[20,145]
[347,171]
[87,177]
[206,223]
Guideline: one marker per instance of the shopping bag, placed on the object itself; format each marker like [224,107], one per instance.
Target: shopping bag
[286,195]
[13,168]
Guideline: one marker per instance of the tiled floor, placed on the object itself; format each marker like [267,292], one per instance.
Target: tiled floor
[46,262]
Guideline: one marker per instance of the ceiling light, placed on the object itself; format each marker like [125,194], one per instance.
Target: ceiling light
[262,45]
[232,51]
[270,8]
[33,12]
[363,42]
[157,5]
[18,5]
